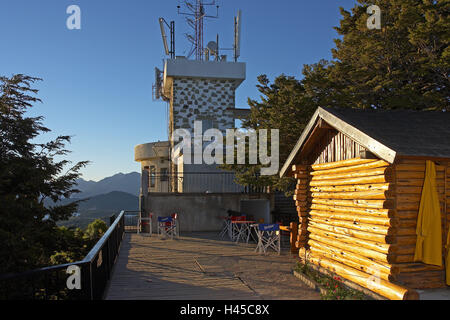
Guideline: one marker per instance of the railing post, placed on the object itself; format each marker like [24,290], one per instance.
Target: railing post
[107,260]
[112,219]
[86,284]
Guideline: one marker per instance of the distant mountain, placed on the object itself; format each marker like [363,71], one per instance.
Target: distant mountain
[101,207]
[112,201]
[129,183]
[103,198]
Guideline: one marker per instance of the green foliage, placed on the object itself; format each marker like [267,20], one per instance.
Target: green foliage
[62,258]
[335,290]
[95,230]
[69,245]
[283,106]
[333,286]
[73,244]
[403,65]
[29,174]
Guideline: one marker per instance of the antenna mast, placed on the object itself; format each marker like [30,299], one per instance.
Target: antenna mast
[168,51]
[196,13]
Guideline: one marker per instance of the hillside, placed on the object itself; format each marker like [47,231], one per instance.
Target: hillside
[101,207]
[128,183]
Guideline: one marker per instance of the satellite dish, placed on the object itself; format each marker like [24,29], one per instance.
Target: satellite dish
[212,47]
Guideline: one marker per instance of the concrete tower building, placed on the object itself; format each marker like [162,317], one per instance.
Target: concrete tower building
[202,91]
[196,91]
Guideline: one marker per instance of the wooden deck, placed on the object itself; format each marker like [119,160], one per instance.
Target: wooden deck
[201,266]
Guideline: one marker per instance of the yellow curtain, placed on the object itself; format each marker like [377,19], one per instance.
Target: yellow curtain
[429,233]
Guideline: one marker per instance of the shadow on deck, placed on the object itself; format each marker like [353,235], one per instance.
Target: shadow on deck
[201,266]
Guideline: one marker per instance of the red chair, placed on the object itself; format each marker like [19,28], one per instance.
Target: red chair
[238,218]
[235,227]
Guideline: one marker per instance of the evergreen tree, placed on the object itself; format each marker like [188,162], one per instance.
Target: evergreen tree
[29,174]
[404,65]
[283,106]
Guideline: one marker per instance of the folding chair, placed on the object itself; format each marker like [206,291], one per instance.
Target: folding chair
[235,228]
[268,237]
[166,227]
[144,221]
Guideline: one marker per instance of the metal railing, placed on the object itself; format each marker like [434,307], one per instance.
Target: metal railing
[199,182]
[50,283]
[131,221]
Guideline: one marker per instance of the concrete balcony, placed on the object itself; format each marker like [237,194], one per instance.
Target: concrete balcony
[151,151]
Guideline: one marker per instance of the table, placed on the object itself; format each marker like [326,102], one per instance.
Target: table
[241,229]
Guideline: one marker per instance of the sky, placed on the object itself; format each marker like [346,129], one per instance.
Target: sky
[97,81]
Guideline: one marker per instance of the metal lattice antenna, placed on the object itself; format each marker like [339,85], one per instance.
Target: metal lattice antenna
[196,13]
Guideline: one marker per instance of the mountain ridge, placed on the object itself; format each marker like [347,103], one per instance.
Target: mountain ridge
[100,206]
[124,182]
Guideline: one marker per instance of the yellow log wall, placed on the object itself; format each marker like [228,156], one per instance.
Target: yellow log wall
[409,178]
[349,222]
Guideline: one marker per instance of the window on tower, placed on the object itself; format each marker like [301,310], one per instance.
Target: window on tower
[152,176]
[164,174]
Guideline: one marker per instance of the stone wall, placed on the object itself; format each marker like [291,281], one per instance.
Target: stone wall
[201,99]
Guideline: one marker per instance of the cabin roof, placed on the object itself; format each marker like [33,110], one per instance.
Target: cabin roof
[387,134]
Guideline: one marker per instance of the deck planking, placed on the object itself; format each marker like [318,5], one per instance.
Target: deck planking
[201,266]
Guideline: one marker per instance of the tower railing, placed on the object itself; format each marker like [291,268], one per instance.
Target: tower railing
[200,182]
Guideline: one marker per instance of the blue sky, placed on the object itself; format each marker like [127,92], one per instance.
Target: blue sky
[98,80]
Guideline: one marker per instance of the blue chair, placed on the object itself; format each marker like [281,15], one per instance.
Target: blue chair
[167,227]
[268,237]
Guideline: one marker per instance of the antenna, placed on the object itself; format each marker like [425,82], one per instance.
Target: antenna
[196,12]
[157,86]
[237,35]
[170,52]
[163,34]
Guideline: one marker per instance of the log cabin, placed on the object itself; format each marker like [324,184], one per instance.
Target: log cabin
[359,177]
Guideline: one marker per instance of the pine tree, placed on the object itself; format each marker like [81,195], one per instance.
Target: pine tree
[29,174]
[283,106]
[403,65]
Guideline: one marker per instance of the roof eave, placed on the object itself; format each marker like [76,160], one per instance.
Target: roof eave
[375,147]
[299,143]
